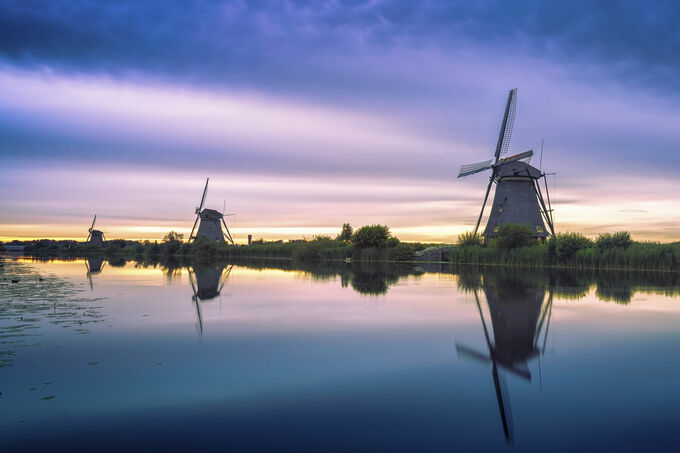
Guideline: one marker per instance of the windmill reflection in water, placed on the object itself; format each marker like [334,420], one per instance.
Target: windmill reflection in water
[207,284]
[94,266]
[520,319]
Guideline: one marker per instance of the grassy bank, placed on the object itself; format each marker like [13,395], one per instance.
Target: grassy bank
[317,249]
[569,250]
[514,246]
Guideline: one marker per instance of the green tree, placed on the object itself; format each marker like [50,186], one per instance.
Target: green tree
[371,236]
[173,236]
[346,233]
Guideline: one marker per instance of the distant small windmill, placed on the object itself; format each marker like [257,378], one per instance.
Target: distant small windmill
[518,197]
[95,237]
[210,226]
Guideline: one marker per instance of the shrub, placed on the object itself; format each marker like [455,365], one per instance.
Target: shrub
[371,236]
[403,252]
[514,235]
[608,241]
[204,247]
[469,238]
[392,242]
[564,246]
[116,243]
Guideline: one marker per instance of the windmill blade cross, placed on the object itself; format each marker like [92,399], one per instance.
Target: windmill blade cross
[503,399]
[506,126]
[470,353]
[194,227]
[525,157]
[223,278]
[205,192]
[519,371]
[227,234]
[471,169]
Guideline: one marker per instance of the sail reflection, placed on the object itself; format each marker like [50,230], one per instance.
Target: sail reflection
[206,284]
[519,319]
[94,266]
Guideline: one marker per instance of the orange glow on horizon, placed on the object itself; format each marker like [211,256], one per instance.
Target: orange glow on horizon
[435,234]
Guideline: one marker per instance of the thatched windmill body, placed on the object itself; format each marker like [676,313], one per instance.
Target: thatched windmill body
[519,197]
[211,222]
[95,237]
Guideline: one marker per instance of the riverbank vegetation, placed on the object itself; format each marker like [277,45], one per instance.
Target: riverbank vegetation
[514,245]
[368,243]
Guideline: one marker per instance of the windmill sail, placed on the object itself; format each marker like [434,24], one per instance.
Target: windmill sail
[506,126]
[205,192]
[471,169]
[524,157]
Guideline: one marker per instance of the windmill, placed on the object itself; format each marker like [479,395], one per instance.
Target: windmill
[210,226]
[95,237]
[518,197]
[518,314]
[209,284]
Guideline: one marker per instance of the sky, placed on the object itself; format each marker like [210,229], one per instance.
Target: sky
[309,114]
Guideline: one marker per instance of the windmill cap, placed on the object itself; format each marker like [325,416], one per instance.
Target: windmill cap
[518,168]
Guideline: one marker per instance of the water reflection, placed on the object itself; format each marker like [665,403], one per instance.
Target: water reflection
[94,266]
[519,315]
[206,284]
[375,279]
[309,341]
[35,299]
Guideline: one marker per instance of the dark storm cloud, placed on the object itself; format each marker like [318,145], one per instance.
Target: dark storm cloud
[286,43]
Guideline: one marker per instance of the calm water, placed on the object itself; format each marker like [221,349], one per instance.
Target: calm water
[98,357]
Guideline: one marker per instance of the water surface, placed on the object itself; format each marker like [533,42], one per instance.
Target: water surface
[95,356]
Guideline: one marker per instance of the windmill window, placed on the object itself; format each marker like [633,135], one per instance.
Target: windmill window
[495,229]
[500,208]
[539,229]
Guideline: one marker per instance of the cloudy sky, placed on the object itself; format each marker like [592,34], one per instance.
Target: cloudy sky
[306,115]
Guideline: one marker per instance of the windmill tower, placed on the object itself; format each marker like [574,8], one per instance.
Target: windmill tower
[518,197]
[518,317]
[211,223]
[95,237]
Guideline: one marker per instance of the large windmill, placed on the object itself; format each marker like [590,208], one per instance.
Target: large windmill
[95,237]
[519,315]
[211,222]
[518,197]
